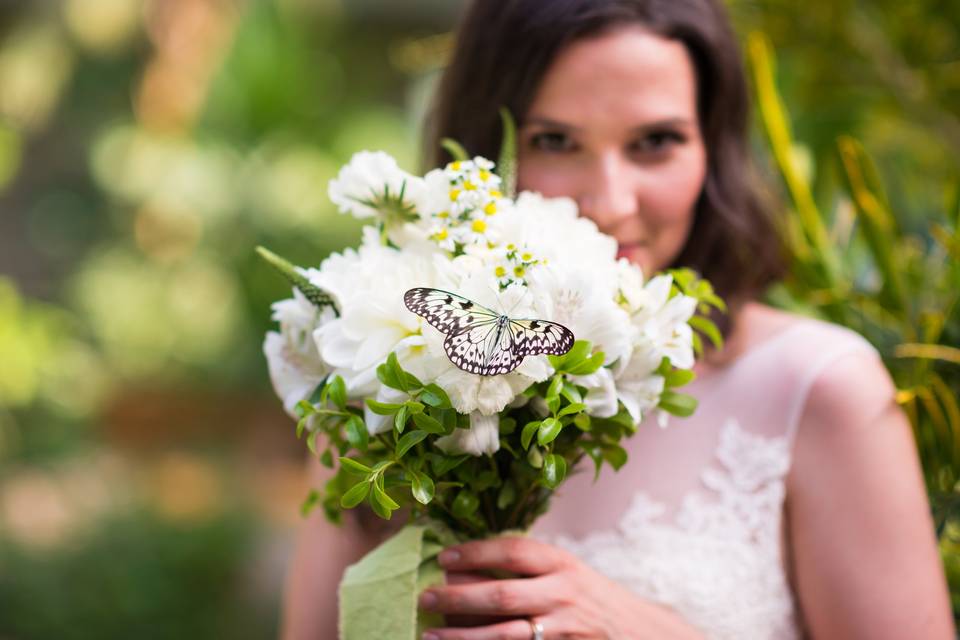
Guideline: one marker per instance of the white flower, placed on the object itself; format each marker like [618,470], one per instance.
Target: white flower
[482,437]
[601,398]
[292,358]
[638,387]
[371,184]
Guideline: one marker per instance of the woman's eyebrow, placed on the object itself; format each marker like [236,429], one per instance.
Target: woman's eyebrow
[656,124]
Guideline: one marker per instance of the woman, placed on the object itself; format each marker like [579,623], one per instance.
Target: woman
[792,502]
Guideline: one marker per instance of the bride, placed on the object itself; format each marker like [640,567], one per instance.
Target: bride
[791,503]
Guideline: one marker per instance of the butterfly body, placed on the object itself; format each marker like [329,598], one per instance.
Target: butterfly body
[482,341]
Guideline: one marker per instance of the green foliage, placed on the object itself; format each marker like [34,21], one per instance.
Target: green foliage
[130,575]
[899,289]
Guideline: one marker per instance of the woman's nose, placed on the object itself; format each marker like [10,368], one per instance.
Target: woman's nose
[608,196]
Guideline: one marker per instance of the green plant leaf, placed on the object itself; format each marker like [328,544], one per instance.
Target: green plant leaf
[678,377]
[507,426]
[338,393]
[535,457]
[353,466]
[455,149]
[507,494]
[582,421]
[571,393]
[400,419]
[527,434]
[326,459]
[422,488]
[435,396]
[575,407]
[614,454]
[465,504]
[356,432]
[355,495]
[409,440]
[587,366]
[548,431]
[428,424]
[507,163]
[383,408]
[554,470]
[678,404]
[709,329]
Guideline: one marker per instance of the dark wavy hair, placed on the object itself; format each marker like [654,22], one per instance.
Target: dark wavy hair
[503,50]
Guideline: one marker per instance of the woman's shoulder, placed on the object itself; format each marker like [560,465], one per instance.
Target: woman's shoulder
[838,377]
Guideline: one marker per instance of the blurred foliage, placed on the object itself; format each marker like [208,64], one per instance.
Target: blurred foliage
[899,289]
[135,575]
[146,146]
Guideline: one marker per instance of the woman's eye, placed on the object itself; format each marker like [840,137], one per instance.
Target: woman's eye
[551,141]
[657,141]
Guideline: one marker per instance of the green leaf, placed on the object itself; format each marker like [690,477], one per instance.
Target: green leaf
[353,466]
[388,377]
[383,408]
[454,148]
[317,296]
[409,440]
[587,366]
[400,419]
[396,371]
[443,464]
[338,393]
[435,396]
[326,459]
[553,391]
[428,424]
[379,495]
[304,409]
[465,504]
[301,425]
[507,163]
[579,352]
[614,454]
[554,470]
[575,407]
[679,404]
[571,393]
[421,486]
[527,434]
[582,421]
[311,501]
[535,457]
[679,377]
[708,328]
[357,434]
[448,417]
[312,441]
[506,495]
[507,426]
[548,431]
[413,406]
[355,495]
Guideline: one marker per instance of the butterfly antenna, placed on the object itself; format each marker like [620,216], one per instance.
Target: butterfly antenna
[526,290]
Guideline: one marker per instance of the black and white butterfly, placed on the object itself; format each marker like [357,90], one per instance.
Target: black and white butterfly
[482,341]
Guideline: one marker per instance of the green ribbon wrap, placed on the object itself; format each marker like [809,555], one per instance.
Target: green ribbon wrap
[378,595]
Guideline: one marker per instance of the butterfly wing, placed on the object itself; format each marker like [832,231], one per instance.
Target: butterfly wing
[483,350]
[535,337]
[448,312]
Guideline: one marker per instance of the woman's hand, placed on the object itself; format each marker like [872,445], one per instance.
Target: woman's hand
[568,598]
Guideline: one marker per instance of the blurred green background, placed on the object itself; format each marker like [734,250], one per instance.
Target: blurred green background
[149,480]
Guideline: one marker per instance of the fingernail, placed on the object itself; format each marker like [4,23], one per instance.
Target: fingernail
[449,556]
[427,600]
[430,636]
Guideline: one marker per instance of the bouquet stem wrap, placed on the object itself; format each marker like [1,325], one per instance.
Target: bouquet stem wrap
[378,594]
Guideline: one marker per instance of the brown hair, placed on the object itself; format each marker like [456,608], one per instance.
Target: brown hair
[503,50]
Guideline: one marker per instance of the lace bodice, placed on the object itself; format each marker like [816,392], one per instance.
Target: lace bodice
[694,520]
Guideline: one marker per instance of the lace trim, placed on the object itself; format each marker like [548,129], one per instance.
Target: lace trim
[718,563]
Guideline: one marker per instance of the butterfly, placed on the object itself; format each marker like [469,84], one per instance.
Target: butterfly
[482,341]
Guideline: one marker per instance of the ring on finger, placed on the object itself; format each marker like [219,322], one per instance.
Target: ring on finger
[537,629]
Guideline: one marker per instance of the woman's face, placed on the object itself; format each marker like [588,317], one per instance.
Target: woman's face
[614,126]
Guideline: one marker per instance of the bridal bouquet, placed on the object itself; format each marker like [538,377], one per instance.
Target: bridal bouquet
[472,351]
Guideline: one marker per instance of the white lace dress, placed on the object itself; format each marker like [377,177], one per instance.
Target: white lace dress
[694,520]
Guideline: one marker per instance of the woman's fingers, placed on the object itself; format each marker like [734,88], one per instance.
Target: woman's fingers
[524,596]
[510,630]
[511,553]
